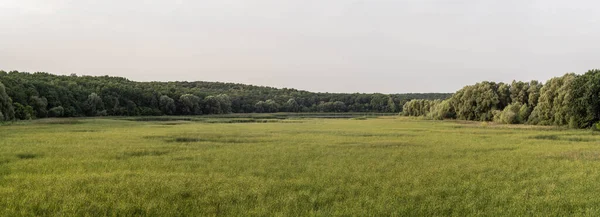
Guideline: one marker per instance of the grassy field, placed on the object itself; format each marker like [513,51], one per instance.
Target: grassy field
[389,166]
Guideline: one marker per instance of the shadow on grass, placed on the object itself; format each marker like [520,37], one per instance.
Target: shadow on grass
[578,156]
[561,138]
[142,153]
[26,156]
[215,138]
[377,144]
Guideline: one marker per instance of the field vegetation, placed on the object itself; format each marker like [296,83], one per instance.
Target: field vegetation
[387,166]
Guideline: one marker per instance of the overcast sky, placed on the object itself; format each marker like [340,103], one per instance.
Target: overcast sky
[389,46]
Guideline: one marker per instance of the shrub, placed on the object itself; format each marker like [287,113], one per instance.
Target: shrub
[442,110]
[510,115]
[58,111]
[23,112]
[102,113]
[524,113]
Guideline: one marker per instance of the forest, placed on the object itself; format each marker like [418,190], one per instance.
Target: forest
[571,100]
[25,96]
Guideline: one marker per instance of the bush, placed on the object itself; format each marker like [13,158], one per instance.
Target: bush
[442,110]
[102,113]
[524,113]
[596,127]
[510,115]
[23,112]
[147,111]
[58,111]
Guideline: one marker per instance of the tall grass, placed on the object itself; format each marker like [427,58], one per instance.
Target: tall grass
[321,167]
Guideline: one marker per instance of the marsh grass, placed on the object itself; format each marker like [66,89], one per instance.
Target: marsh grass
[314,167]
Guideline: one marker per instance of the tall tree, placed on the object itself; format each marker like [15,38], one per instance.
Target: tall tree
[585,105]
[40,106]
[292,106]
[190,104]
[6,108]
[476,102]
[552,106]
[166,105]
[94,105]
[391,105]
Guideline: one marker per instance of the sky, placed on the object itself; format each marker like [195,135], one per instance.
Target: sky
[387,46]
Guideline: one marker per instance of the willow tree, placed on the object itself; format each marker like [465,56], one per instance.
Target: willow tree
[476,102]
[166,105]
[584,107]
[442,110]
[518,92]
[553,104]
[190,104]
[6,109]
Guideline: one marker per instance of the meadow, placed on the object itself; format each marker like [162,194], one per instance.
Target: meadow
[244,166]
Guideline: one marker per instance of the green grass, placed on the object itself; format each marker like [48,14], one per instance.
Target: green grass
[389,166]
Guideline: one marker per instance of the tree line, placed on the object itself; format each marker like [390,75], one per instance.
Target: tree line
[26,96]
[571,100]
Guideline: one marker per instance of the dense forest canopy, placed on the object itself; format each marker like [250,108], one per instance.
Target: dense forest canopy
[572,100]
[37,95]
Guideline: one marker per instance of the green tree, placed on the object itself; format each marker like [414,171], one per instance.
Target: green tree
[442,110]
[212,105]
[39,105]
[476,102]
[6,107]
[190,104]
[503,95]
[584,107]
[339,106]
[224,103]
[23,112]
[166,105]
[271,106]
[523,114]
[120,96]
[260,107]
[518,92]
[94,106]
[534,92]
[58,111]
[291,105]
[510,114]
[552,107]
[391,105]
[379,103]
